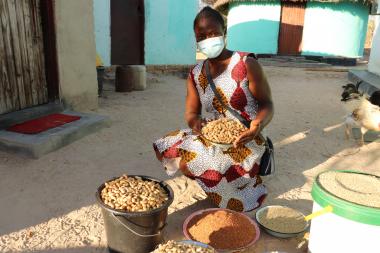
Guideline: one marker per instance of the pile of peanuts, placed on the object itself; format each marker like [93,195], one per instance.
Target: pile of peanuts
[174,247]
[133,194]
[223,130]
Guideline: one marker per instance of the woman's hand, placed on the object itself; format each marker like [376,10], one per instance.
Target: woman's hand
[247,136]
[197,124]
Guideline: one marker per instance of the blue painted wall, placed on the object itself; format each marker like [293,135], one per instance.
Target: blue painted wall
[335,29]
[254,27]
[169,36]
[102,30]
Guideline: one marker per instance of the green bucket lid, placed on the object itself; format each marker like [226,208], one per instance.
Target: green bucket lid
[344,208]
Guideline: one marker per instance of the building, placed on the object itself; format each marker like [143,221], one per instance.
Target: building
[317,28]
[150,32]
[47,54]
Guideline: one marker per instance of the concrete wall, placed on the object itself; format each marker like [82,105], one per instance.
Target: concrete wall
[169,36]
[374,60]
[254,27]
[76,53]
[102,30]
[335,29]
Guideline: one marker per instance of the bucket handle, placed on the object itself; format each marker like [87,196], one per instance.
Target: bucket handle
[133,231]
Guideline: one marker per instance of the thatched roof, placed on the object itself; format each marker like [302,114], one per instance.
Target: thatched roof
[222,5]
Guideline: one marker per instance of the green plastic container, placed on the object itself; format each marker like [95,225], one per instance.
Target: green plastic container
[349,228]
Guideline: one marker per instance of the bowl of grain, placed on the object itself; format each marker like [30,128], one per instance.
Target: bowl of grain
[281,221]
[183,247]
[222,132]
[222,229]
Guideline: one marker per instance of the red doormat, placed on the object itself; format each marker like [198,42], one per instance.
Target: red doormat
[42,124]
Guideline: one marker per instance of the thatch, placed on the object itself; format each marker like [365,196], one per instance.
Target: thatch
[222,5]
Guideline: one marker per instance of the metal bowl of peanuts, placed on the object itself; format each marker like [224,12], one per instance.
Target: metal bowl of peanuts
[184,247]
[135,194]
[281,221]
[223,132]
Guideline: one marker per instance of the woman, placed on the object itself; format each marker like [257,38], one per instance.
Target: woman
[229,177]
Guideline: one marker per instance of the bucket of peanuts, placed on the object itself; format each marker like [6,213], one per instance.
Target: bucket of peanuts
[134,210]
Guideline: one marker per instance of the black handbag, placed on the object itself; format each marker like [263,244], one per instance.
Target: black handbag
[267,165]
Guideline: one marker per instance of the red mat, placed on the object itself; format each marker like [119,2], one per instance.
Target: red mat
[42,124]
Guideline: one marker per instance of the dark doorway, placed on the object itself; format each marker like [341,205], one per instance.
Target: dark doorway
[291,28]
[127,32]
[50,48]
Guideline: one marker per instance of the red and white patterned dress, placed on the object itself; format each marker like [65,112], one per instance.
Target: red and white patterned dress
[229,177]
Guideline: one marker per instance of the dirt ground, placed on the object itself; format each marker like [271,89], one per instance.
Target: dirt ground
[48,205]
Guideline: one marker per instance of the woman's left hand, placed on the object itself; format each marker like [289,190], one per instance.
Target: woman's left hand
[247,136]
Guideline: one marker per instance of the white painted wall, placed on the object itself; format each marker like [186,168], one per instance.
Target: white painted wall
[341,32]
[76,53]
[377,17]
[374,59]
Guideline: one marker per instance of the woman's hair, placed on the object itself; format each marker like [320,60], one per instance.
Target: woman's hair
[208,12]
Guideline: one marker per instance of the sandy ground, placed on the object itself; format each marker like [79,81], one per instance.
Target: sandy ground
[48,205]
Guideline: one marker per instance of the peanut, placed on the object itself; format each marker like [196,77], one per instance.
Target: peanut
[133,194]
[223,130]
[174,247]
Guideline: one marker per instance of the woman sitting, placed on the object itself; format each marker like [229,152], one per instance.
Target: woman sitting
[229,177]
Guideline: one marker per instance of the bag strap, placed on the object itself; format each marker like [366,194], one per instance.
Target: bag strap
[237,115]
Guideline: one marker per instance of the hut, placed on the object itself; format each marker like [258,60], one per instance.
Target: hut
[327,28]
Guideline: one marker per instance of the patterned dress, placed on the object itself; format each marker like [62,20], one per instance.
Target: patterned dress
[229,177]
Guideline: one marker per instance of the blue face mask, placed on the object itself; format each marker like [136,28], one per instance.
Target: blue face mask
[211,47]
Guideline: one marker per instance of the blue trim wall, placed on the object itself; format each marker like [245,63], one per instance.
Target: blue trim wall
[169,36]
[102,30]
[254,27]
[335,29]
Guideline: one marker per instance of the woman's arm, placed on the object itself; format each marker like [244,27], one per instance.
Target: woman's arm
[259,87]
[193,107]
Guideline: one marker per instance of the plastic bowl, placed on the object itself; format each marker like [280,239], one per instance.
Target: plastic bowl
[275,233]
[195,243]
[193,215]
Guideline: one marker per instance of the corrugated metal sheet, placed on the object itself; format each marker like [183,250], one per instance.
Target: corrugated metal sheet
[291,28]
